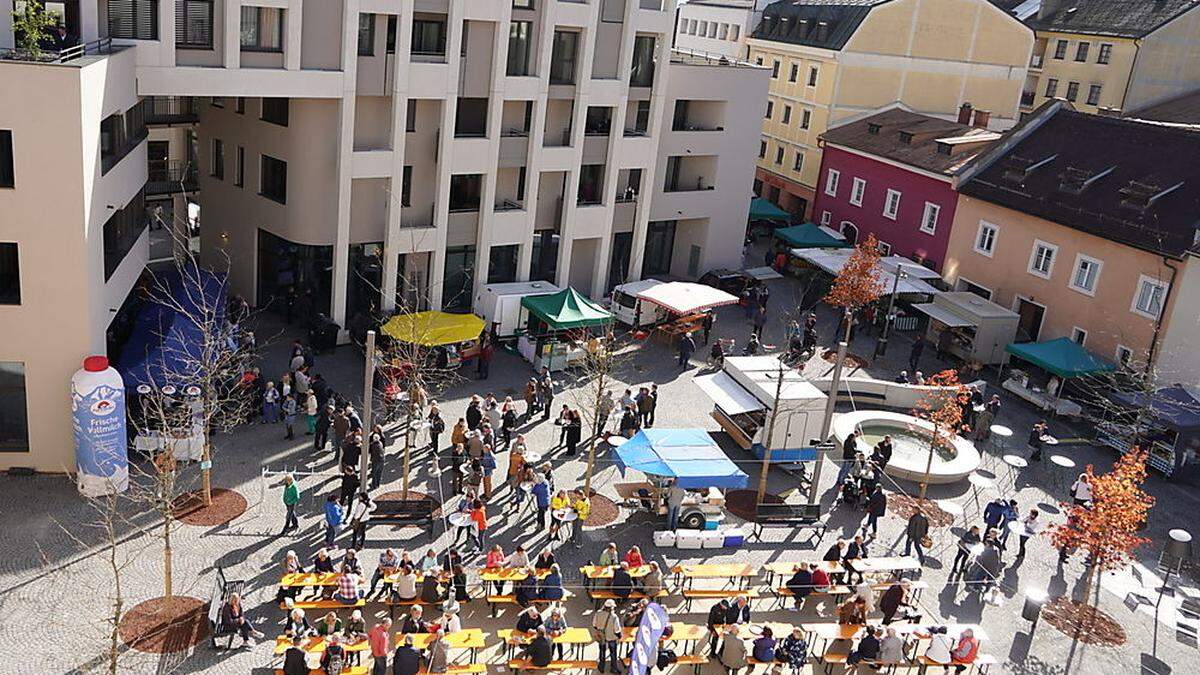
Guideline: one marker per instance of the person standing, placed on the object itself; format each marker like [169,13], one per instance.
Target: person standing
[270,409]
[291,497]
[294,659]
[321,431]
[437,426]
[707,324]
[687,346]
[485,359]
[341,427]
[310,413]
[380,639]
[675,496]
[360,511]
[606,631]
[1035,440]
[582,506]
[289,416]
[966,544]
[652,402]
[760,319]
[876,508]
[375,455]
[849,452]
[914,354]
[574,431]
[914,534]
[603,411]
[546,392]
[333,519]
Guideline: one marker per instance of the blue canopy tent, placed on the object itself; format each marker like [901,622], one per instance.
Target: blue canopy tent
[166,340]
[689,455]
[1174,406]
[1062,356]
[1170,431]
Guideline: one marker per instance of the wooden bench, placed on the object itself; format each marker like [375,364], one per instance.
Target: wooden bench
[323,603]
[915,588]
[459,669]
[494,601]
[982,663]
[526,664]
[411,602]
[598,597]
[346,670]
[795,516]
[404,512]
[222,589]
[715,594]
[694,660]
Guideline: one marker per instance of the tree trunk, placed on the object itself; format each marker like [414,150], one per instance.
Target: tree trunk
[408,420]
[206,470]
[766,460]
[167,553]
[929,462]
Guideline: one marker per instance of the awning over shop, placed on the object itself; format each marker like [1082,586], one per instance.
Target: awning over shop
[167,340]
[683,297]
[727,394]
[689,455]
[432,329]
[939,313]
[566,309]
[913,283]
[762,273]
[809,235]
[761,209]
[1175,406]
[1063,357]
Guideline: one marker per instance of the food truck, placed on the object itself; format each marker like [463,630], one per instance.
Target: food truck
[975,329]
[500,304]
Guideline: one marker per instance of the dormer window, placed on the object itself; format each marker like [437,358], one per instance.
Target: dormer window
[906,137]
[1142,193]
[944,148]
[1076,179]
[1018,168]
[873,129]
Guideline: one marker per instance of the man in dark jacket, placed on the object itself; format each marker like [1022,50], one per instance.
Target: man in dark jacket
[868,648]
[716,622]
[540,650]
[526,590]
[965,544]
[855,550]
[413,623]
[622,582]
[914,535]
[293,658]
[993,514]
[738,611]
[324,419]
[407,660]
[800,584]
[876,507]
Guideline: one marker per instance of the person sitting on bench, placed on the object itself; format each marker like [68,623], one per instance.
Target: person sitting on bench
[414,623]
[800,585]
[551,587]
[406,584]
[348,591]
[529,620]
[526,589]
[652,583]
[540,651]
[621,584]
[431,590]
[234,618]
[868,648]
[329,624]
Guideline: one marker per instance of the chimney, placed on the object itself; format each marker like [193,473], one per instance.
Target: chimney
[964,113]
[982,117]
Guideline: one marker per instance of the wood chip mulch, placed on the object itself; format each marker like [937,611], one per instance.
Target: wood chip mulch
[744,503]
[165,625]
[604,511]
[413,495]
[905,506]
[1083,622]
[853,361]
[226,505]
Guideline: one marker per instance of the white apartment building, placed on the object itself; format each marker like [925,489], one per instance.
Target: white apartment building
[359,152]
[718,27]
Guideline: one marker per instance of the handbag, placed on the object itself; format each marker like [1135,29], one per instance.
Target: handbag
[927,542]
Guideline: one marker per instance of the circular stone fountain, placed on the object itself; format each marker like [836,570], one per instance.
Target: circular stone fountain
[910,445]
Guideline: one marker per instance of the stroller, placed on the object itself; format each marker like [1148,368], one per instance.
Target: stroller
[852,494]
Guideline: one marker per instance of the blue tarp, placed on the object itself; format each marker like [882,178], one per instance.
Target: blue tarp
[1062,356]
[690,455]
[1175,406]
[166,341]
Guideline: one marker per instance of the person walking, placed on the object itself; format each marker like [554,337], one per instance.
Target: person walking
[760,319]
[1036,432]
[914,354]
[606,631]
[380,639]
[966,545]
[603,411]
[687,346]
[876,508]
[1029,527]
[360,511]
[291,497]
[914,534]
[333,519]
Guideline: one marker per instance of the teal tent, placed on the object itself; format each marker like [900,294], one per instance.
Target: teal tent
[566,309]
[1063,357]
[809,235]
[761,209]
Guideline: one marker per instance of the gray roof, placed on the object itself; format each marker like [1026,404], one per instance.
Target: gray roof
[826,24]
[1118,18]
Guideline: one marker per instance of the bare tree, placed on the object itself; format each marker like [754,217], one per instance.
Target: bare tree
[595,375]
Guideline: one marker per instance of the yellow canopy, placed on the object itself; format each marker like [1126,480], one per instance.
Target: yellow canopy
[431,329]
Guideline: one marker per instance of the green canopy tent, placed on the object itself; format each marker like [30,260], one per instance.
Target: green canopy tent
[761,209]
[808,235]
[565,310]
[1062,356]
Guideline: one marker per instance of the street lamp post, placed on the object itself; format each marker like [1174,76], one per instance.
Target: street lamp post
[881,345]
[1177,549]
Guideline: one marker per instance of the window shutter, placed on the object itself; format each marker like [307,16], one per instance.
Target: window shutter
[194,23]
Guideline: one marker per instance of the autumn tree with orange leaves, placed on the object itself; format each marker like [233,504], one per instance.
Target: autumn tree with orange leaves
[1107,528]
[942,408]
[859,283]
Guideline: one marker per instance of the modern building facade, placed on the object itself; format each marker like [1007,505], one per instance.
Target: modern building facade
[367,152]
[891,174]
[1112,55]
[720,27]
[832,60]
[1085,226]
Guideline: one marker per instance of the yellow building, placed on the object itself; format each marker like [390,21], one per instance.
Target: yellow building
[833,60]
[1112,55]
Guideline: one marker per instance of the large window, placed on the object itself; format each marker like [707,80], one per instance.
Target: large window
[10,274]
[1093,97]
[563,57]
[929,218]
[660,244]
[120,133]
[1060,50]
[7,175]
[891,204]
[1148,301]
[133,19]
[519,47]
[1105,53]
[1072,91]
[273,181]
[1087,273]
[831,182]
[121,232]
[14,419]
[194,24]
[985,240]
[262,29]
[642,72]
[459,278]
[465,189]
[366,34]
[275,111]
[857,191]
[1081,52]
[429,37]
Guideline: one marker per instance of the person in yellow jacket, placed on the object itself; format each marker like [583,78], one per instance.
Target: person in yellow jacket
[583,509]
[558,502]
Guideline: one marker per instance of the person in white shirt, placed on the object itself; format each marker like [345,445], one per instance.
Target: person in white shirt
[429,562]
[451,623]
[518,558]
[1081,490]
[940,645]
[406,584]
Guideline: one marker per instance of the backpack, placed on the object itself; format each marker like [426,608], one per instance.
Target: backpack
[336,660]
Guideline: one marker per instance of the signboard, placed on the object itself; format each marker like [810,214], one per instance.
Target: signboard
[645,641]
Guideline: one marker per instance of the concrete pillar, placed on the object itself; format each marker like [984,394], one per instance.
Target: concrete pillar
[391,245]
[293,26]
[341,242]
[233,34]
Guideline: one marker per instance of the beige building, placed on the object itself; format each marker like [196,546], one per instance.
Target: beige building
[834,61]
[360,153]
[1112,55]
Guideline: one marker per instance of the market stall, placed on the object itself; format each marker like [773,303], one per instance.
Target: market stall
[451,339]
[969,327]
[765,216]
[1058,361]
[686,305]
[1166,423]
[786,243]
[559,329]
[916,279]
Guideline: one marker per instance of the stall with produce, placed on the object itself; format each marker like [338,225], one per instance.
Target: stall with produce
[560,329]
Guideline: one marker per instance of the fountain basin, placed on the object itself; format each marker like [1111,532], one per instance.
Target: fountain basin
[910,446]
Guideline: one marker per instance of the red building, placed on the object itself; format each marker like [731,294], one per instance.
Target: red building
[892,175]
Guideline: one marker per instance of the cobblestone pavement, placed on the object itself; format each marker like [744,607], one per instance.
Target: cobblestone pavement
[54,592]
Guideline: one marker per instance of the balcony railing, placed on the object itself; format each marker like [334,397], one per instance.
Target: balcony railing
[509,205]
[64,55]
[1027,97]
[170,176]
[678,187]
[171,110]
[689,126]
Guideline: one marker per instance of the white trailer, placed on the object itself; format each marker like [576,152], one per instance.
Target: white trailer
[500,304]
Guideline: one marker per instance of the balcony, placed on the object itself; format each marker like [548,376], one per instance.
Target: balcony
[172,176]
[509,205]
[170,110]
[1027,98]
[1035,61]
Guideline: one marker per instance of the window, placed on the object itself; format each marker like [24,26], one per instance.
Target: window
[1060,50]
[770,109]
[1081,52]
[410,122]
[429,37]
[239,167]
[464,191]
[272,182]
[891,205]
[985,240]
[366,34]
[389,39]
[1051,87]
[1078,335]
[930,217]
[798,164]
[734,32]
[562,57]
[7,176]
[805,118]
[787,114]
[194,24]
[262,29]
[121,231]
[831,182]
[406,187]
[1086,274]
[762,149]
[131,20]
[1124,355]
[1148,300]
[14,420]
[275,111]
[858,188]
[120,133]
[779,155]
[218,101]
[10,274]
[884,248]
[1094,95]
[218,159]
[775,70]
[1072,91]
[812,76]
[519,47]
[1105,54]
[794,73]
[641,73]
[826,218]
[758,60]
[1041,259]
[239,105]
[522,4]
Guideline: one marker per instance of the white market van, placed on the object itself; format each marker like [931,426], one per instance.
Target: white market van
[500,304]
[625,304]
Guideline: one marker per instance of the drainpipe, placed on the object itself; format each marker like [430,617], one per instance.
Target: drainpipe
[1150,354]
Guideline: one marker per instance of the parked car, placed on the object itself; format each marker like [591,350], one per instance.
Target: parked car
[730,281]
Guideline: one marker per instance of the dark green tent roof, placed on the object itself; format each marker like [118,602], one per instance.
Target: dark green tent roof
[761,209]
[809,235]
[566,309]
[1063,357]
